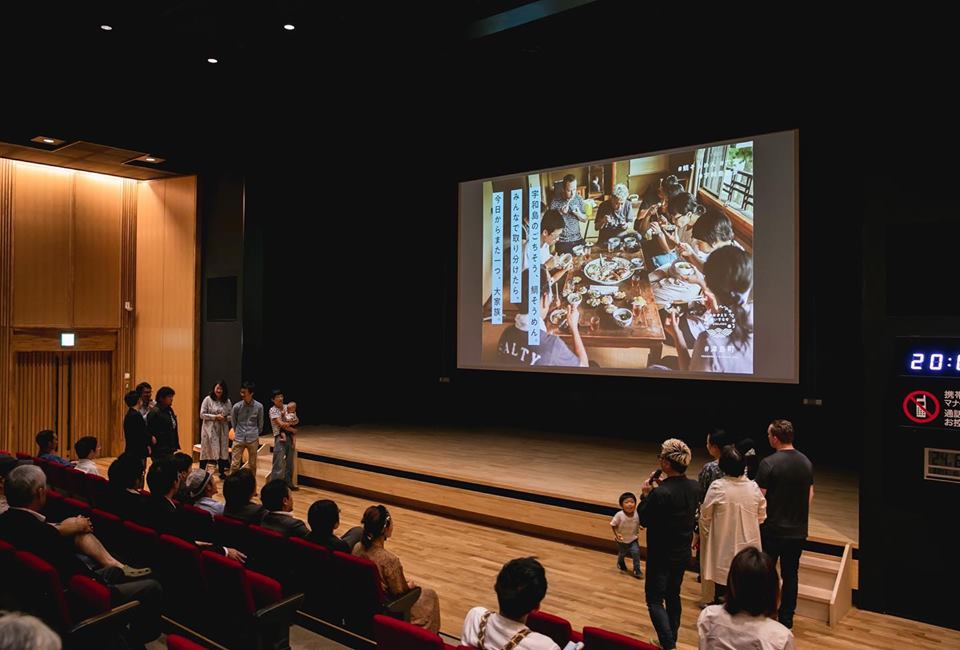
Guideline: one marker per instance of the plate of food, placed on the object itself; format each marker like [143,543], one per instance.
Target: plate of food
[637,263]
[620,295]
[608,270]
[593,302]
[607,300]
[683,269]
[610,309]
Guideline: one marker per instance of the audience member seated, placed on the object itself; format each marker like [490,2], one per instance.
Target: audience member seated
[184,463]
[324,518]
[747,619]
[122,496]
[87,449]
[25,528]
[22,632]
[238,491]
[159,510]
[276,498]
[7,463]
[521,586]
[47,442]
[377,529]
[202,487]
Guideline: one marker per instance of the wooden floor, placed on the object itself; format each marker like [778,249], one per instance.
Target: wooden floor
[460,560]
[592,470]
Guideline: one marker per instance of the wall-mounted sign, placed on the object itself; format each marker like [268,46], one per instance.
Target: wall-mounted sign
[941,465]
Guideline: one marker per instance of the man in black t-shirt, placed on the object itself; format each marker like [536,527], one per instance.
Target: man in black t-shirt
[668,510]
[786,479]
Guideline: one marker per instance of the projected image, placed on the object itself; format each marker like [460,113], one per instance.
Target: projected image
[642,264]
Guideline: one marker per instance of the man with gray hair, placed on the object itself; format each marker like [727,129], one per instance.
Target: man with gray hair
[22,632]
[25,528]
[668,510]
[613,215]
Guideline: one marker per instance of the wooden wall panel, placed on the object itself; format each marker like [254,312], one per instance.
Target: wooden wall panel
[35,398]
[42,234]
[7,358]
[98,201]
[166,328]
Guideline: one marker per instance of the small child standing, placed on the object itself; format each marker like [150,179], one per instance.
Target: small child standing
[626,528]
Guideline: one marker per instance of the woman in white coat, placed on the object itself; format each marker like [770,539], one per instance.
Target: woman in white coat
[730,519]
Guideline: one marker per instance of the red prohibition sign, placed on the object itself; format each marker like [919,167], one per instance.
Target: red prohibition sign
[912,407]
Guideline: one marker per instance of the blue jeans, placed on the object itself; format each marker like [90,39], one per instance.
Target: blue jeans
[663,584]
[656,261]
[633,548]
[283,460]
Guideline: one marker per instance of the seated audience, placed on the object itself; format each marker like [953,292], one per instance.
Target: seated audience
[47,443]
[378,527]
[25,528]
[278,501]
[23,632]
[7,463]
[122,496]
[184,463]
[203,487]
[748,618]
[87,449]
[324,518]
[521,586]
[239,489]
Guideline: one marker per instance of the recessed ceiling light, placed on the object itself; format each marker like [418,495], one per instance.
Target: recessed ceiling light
[146,158]
[212,60]
[47,140]
[106,28]
[150,159]
[289,27]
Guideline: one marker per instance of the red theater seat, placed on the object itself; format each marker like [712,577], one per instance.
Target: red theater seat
[176,642]
[142,544]
[361,595]
[267,552]
[74,482]
[314,577]
[82,613]
[180,571]
[95,487]
[558,629]
[194,523]
[392,634]
[596,639]
[249,609]
[109,530]
[230,532]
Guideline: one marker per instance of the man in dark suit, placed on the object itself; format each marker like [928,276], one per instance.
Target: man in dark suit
[160,511]
[162,424]
[278,501]
[135,427]
[238,490]
[25,528]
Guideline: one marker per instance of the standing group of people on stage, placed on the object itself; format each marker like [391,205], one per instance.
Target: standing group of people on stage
[150,429]
[743,517]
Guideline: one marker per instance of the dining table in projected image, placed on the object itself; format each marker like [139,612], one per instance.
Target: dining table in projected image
[598,327]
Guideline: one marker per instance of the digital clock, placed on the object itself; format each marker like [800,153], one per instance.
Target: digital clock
[921,357]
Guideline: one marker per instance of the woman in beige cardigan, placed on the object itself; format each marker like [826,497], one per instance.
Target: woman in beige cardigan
[730,519]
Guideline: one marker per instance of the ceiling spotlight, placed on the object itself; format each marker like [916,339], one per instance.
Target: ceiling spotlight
[48,140]
[289,27]
[106,28]
[150,159]
[212,60]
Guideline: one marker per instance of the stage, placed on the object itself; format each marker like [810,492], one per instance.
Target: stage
[561,486]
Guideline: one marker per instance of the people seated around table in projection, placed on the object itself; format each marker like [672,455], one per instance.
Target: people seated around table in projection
[378,527]
[278,501]
[324,519]
[87,449]
[122,496]
[521,586]
[47,442]
[239,489]
[748,617]
[551,225]
[514,349]
[202,486]
[568,203]
[679,284]
[626,529]
[726,345]
[662,230]
[613,215]
[730,518]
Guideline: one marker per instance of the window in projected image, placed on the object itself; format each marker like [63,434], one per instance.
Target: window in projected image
[632,266]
